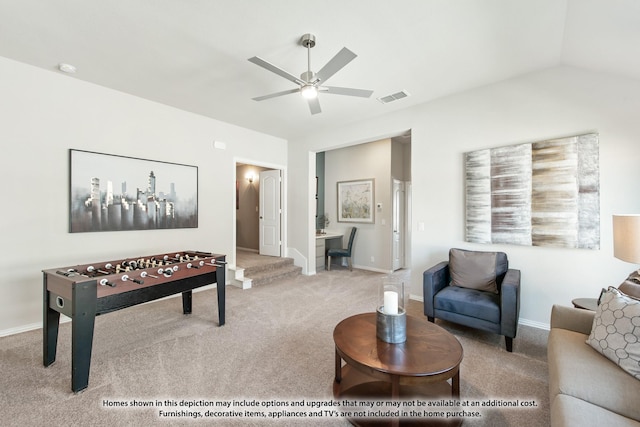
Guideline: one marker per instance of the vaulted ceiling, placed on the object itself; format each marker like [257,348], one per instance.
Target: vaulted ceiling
[193,54]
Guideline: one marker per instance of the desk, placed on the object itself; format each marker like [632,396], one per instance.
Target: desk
[324,242]
[83,292]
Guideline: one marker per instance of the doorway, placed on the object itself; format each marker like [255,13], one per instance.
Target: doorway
[382,245]
[259,209]
[270,213]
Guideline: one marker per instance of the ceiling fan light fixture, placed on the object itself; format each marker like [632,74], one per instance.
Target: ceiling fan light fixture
[309,91]
[310,83]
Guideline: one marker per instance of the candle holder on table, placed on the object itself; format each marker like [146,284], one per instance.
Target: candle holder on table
[391,316]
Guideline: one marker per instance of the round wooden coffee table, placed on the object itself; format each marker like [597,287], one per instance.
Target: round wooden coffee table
[417,368]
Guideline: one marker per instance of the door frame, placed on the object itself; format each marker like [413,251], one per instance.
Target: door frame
[283,200]
[264,223]
[398,220]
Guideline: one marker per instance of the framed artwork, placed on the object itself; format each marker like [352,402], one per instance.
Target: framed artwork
[545,193]
[355,201]
[116,193]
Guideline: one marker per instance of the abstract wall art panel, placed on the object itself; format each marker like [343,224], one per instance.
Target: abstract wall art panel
[542,194]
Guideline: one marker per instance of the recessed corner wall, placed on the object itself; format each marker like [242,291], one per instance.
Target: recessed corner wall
[550,103]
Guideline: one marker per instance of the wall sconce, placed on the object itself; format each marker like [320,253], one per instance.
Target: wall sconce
[249,177]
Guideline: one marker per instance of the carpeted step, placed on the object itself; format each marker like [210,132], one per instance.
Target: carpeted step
[261,269]
[267,264]
[265,276]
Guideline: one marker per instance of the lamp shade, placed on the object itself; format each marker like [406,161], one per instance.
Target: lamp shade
[626,238]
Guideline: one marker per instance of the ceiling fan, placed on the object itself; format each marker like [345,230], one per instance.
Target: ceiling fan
[310,83]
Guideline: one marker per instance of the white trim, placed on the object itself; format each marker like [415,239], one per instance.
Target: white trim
[27,328]
[416,297]
[521,321]
[534,324]
[363,267]
[299,260]
[65,319]
[283,200]
[247,249]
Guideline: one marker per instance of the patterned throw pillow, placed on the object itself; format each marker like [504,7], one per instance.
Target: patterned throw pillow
[615,332]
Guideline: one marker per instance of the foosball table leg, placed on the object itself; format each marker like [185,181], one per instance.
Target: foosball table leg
[50,336]
[221,281]
[186,302]
[82,324]
[51,322]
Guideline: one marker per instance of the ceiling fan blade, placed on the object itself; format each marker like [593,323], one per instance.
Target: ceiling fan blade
[279,71]
[273,95]
[336,63]
[363,93]
[314,105]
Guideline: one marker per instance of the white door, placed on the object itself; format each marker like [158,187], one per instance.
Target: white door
[398,224]
[270,213]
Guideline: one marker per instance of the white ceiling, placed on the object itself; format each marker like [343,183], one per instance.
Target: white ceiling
[192,54]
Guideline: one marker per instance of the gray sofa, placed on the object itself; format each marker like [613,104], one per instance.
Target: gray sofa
[585,388]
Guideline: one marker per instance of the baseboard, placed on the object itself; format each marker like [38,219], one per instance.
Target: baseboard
[364,267]
[521,321]
[31,327]
[247,249]
[416,297]
[534,324]
[65,319]
[27,328]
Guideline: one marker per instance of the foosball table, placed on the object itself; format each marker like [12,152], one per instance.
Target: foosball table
[85,291]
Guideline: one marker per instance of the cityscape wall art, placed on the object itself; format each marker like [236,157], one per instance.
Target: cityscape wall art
[115,193]
[545,193]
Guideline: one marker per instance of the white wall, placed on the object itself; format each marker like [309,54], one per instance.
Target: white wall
[364,161]
[43,114]
[557,102]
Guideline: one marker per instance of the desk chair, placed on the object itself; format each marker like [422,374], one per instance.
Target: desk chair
[344,252]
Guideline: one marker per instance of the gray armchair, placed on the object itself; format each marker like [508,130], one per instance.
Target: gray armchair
[475,289]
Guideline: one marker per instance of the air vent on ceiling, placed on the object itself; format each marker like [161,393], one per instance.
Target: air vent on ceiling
[393,97]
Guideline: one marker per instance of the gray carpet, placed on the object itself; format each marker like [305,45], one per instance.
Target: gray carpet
[276,346]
